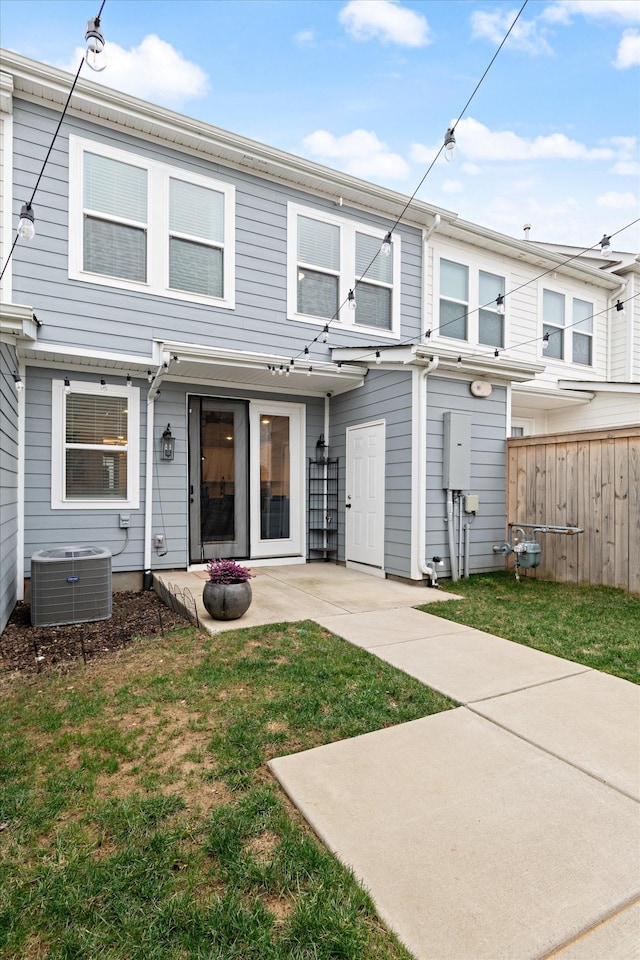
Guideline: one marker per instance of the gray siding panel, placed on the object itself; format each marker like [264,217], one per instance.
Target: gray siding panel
[8,484]
[386,395]
[488,471]
[93,315]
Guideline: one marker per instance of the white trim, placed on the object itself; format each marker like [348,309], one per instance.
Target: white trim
[6,226]
[157,226]
[347,272]
[295,544]
[58,420]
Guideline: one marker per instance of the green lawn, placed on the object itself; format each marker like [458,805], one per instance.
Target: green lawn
[596,626]
[138,819]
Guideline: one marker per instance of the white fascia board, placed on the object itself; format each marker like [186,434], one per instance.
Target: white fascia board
[553,394]
[599,387]
[48,354]
[6,92]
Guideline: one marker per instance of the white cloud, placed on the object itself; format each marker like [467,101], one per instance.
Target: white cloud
[476,142]
[386,19]
[627,168]
[621,11]
[359,153]
[154,70]
[472,169]
[618,201]
[525,35]
[452,186]
[305,38]
[628,54]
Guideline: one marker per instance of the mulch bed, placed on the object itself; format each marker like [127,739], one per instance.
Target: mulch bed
[31,649]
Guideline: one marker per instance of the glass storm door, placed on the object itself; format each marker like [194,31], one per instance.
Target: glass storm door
[277,479]
[218,479]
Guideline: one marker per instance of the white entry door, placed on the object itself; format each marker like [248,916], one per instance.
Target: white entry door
[364,494]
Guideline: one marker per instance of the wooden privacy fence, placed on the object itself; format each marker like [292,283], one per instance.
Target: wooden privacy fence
[588,479]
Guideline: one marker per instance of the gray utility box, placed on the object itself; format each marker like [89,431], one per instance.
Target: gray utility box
[456,459]
[70,585]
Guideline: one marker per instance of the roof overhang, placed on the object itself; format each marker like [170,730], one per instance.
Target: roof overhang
[18,323]
[204,366]
[597,386]
[493,368]
[542,399]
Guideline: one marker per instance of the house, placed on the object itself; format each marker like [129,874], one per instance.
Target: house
[182,330]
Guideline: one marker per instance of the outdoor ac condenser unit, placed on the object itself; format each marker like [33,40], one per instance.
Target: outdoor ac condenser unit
[70,585]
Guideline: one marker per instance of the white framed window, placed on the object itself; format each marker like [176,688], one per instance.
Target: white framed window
[467,310]
[95,443]
[567,325]
[329,256]
[142,225]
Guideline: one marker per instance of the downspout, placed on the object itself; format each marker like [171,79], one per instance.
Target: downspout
[22,400]
[420,411]
[147,579]
[424,567]
[154,390]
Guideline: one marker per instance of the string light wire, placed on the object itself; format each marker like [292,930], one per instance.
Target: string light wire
[51,145]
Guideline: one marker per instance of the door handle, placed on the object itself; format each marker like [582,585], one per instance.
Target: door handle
[347,506]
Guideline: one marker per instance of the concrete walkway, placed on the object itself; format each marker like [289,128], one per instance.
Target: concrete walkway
[505,829]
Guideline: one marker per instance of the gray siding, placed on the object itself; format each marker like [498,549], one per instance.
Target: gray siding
[8,483]
[104,318]
[386,395]
[46,528]
[488,471]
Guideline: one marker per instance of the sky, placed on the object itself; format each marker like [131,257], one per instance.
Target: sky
[551,137]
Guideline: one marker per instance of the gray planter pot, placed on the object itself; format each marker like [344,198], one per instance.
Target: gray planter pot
[226,601]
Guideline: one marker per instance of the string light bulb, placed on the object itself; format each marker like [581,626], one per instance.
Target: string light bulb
[378,357]
[460,360]
[385,249]
[620,307]
[309,371]
[67,386]
[449,145]
[103,384]
[17,379]
[500,304]
[26,223]
[605,246]
[325,333]
[545,342]
[129,380]
[95,56]
[351,300]
[149,376]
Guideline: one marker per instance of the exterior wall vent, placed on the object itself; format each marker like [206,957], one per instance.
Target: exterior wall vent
[70,585]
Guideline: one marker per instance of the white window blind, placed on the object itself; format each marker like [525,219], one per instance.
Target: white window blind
[114,188]
[553,323]
[454,299]
[196,211]
[490,322]
[318,243]
[582,332]
[369,259]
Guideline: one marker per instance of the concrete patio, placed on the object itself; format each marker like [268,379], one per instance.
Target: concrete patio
[505,829]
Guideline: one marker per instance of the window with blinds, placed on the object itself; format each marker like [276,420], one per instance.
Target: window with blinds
[115,218]
[334,256]
[196,239]
[139,224]
[96,447]
[490,321]
[454,299]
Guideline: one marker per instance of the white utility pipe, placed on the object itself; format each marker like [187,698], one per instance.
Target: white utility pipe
[452,537]
[467,543]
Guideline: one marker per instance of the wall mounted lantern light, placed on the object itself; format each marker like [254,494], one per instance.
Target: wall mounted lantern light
[168,444]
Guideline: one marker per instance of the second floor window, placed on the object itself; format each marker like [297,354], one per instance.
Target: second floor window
[569,335]
[142,225]
[461,286]
[334,256]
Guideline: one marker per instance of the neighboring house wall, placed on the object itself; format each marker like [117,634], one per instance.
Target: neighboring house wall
[8,483]
[386,395]
[488,470]
[605,410]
